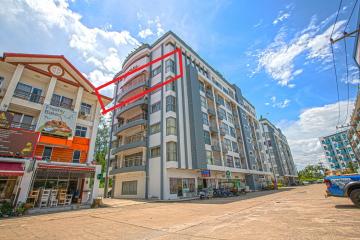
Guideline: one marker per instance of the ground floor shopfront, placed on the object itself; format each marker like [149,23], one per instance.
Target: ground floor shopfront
[180,183]
[47,184]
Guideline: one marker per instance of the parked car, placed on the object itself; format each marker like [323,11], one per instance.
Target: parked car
[344,186]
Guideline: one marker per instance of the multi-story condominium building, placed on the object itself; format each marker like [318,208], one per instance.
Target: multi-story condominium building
[49,115]
[354,130]
[278,153]
[198,131]
[338,151]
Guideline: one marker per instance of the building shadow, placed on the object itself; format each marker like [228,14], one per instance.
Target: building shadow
[346,206]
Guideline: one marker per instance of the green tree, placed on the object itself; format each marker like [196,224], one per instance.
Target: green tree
[311,173]
[102,144]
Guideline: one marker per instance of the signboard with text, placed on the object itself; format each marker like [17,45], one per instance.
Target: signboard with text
[17,143]
[57,121]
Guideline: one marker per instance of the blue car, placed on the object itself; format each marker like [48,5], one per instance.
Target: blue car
[344,186]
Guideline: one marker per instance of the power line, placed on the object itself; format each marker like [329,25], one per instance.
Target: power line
[347,81]
[337,84]
[352,12]
[337,15]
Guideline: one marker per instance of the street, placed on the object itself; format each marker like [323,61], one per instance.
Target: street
[293,213]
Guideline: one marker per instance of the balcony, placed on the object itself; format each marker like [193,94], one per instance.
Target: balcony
[136,83]
[4,123]
[130,164]
[224,149]
[211,111]
[56,103]
[135,121]
[222,131]
[31,97]
[134,141]
[217,162]
[213,128]
[209,95]
[129,106]
[215,147]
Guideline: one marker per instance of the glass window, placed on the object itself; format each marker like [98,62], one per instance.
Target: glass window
[22,88]
[170,103]
[230,118]
[205,119]
[76,156]
[80,131]
[207,137]
[229,161]
[220,100]
[155,107]
[155,152]
[171,126]
[129,188]
[175,185]
[203,102]
[85,108]
[47,153]
[232,132]
[235,147]
[202,86]
[228,144]
[156,71]
[225,127]
[171,151]
[169,66]
[171,86]
[228,105]
[222,113]
[155,128]
[209,158]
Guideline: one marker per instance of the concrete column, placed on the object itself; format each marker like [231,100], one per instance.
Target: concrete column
[25,183]
[11,88]
[50,90]
[95,190]
[94,132]
[78,99]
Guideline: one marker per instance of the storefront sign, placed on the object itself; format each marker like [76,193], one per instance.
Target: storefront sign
[57,121]
[228,174]
[6,119]
[17,143]
[205,173]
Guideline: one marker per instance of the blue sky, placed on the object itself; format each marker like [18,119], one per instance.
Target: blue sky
[278,52]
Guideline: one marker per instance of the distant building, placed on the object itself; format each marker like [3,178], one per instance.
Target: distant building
[338,151]
[278,153]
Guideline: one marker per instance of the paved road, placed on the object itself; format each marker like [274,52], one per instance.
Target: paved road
[298,213]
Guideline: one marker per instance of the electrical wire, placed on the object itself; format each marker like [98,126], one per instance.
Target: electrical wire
[352,12]
[337,15]
[347,82]
[337,84]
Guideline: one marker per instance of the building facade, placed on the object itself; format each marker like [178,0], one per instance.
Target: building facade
[338,151]
[49,116]
[198,131]
[278,153]
[354,130]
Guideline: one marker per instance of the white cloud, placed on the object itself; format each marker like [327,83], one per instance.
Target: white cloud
[284,14]
[278,104]
[303,134]
[278,58]
[100,47]
[145,33]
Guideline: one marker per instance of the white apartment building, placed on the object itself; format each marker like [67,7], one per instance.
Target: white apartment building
[278,153]
[49,116]
[198,131]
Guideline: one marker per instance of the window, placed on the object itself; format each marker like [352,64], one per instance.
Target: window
[220,100]
[232,131]
[209,158]
[170,103]
[156,71]
[171,151]
[228,144]
[230,118]
[47,153]
[61,101]
[237,162]
[222,113]
[202,86]
[235,147]
[205,119]
[229,161]
[129,188]
[155,107]
[76,156]
[155,128]
[207,138]
[228,105]
[203,102]
[155,152]
[175,185]
[225,128]
[171,86]
[80,131]
[170,126]
[169,66]
[85,108]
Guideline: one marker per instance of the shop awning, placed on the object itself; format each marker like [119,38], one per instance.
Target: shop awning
[11,169]
[65,167]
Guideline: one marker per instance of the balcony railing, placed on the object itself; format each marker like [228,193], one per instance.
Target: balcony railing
[31,97]
[61,104]
[135,138]
[216,147]
[132,161]
[4,123]
[137,120]
[217,162]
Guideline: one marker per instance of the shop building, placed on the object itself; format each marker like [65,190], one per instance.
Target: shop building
[198,131]
[49,116]
[278,153]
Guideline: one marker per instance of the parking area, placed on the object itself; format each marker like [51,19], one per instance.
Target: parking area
[293,213]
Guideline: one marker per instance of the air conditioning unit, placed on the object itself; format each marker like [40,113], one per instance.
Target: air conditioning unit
[83,114]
